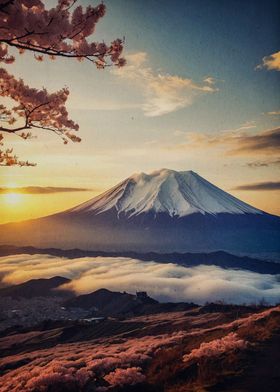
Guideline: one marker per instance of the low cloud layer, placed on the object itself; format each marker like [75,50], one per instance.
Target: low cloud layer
[259,186]
[271,62]
[165,282]
[38,190]
[163,93]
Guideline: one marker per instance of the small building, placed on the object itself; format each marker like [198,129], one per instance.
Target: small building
[141,295]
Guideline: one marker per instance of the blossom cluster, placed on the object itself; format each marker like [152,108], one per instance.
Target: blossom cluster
[38,108]
[59,31]
[217,347]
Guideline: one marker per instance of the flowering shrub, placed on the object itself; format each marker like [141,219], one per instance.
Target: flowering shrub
[121,377]
[115,362]
[77,363]
[217,347]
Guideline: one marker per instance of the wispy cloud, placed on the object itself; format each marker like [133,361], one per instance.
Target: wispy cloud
[36,190]
[165,282]
[264,163]
[210,80]
[237,142]
[259,186]
[267,141]
[163,93]
[271,62]
[274,113]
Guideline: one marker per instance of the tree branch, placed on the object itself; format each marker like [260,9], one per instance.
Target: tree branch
[50,51]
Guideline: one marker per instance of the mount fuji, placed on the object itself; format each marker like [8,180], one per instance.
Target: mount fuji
[165,211]
[165,191]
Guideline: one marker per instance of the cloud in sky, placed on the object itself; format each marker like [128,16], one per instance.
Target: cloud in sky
[259,186]
[267,141]
[165,282]
[237,142]
[264,163]
[209,80]
[274,113]
[271,62]
[37,190]
[163,93]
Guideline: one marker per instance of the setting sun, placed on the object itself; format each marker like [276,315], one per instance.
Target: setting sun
[12,198]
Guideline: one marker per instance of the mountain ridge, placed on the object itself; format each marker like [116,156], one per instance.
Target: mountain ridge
[164,212]
[219,258]
[165,191]
[36,287]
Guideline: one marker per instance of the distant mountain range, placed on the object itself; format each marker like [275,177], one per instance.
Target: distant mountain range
[166,211]
[221,259]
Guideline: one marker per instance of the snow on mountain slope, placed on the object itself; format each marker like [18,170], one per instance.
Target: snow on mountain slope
[175,193]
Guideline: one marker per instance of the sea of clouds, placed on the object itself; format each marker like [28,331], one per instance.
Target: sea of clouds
[162,281]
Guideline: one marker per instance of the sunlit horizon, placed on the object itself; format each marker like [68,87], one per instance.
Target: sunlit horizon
[17,206]
[189,98]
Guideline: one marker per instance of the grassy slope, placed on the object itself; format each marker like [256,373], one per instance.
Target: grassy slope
[149,353]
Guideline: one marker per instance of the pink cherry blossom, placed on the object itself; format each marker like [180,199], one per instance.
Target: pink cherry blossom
[62,31]
[59,31]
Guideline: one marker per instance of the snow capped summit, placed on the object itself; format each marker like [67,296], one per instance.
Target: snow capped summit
[165,191]
[140,215]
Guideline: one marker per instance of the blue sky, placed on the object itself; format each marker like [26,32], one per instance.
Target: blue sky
[191,79]
[225,39]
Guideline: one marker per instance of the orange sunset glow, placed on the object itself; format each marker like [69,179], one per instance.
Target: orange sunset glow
[139,196]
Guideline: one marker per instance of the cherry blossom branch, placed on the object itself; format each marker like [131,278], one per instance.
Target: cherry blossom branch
[38,109]
[61,31]
[30,26]
[8,159]
[56,53]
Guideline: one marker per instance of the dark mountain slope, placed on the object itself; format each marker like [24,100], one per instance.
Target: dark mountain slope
[110,303]
[36,288]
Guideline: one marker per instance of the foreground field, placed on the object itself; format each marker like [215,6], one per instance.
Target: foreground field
[210,348]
